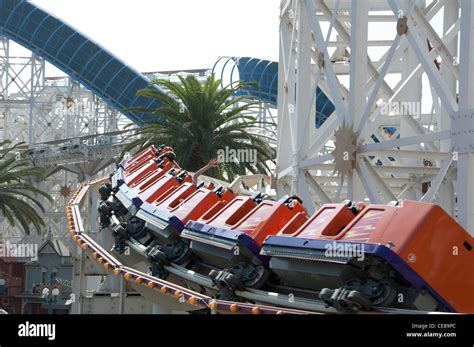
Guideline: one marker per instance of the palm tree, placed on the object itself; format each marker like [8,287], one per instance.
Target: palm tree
[17,192]
[199,119]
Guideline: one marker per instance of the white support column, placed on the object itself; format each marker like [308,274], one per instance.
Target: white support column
[285,91]
[370,190]
[412,94]
[465,175]
[333,82]
[303,106]
[31,118]
[417,44]
[430,194]
[317,189]
[358,63]
[93,199]
[446,190]
[122,295]
[358,82]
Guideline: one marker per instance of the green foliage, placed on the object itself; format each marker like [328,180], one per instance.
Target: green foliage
[198,119]
[18,195]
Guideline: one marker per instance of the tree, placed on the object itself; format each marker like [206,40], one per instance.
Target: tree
[18,195]
[199,119]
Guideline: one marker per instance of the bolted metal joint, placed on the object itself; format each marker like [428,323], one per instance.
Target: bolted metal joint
[402,25]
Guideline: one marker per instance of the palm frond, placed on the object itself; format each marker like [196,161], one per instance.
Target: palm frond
[18,195]
[197,119]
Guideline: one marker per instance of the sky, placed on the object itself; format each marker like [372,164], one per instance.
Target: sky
[158,35]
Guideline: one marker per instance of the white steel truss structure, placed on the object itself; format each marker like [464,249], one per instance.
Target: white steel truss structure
[73,133]
[400,74]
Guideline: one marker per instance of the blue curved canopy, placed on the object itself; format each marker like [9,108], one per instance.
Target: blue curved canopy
[265,73]
[76,55]
[109,77]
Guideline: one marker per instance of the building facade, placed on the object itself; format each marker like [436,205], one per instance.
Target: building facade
[48,280]
[12,272]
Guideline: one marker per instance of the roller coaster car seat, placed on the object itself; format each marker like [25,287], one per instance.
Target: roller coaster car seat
[141,157]
[172,212]
[175,195]
[202,201]
[235,234]
[131,164]
[412,256]
[147,170]
[153,174]
[328,221]
[149,191]
[152,191]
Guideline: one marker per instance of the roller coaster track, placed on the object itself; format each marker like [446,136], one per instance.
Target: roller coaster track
[184,295]
[116,83]
[261,302]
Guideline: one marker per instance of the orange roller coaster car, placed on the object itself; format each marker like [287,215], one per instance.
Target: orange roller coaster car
[410,255]
[415,249]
